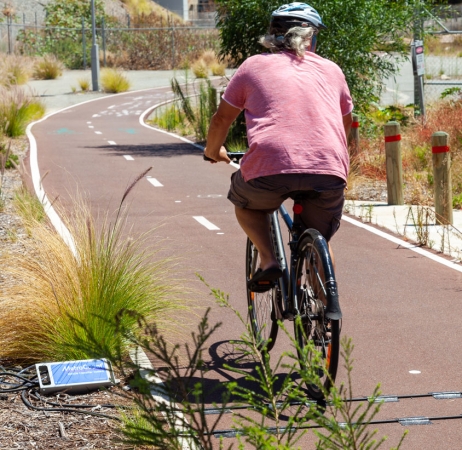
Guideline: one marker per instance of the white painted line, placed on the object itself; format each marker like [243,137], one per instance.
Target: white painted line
[110,107]
[177,201]
[415,372]
[98,132]
[91,126]
[207,224]
[111,143]
[88,122]
[95,115]
[129,158]
[220,233]
[154,182]
[404,244]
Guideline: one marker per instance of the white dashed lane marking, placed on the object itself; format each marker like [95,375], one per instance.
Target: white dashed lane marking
[154,182]
[111,143]
[206,223]
[91,126]
[98,132]
[130,158]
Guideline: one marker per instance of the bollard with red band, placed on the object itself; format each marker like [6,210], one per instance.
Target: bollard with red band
[353,138]
[441,157]
[440,149]
[394,164]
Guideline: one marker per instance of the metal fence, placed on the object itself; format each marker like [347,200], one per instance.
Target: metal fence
[444,70]
[131,48]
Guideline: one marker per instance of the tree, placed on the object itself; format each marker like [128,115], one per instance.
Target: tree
[364,37]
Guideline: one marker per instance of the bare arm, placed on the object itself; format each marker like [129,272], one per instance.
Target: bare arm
[347,121]
[218,130]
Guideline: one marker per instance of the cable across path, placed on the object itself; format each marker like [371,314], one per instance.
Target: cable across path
[402,310]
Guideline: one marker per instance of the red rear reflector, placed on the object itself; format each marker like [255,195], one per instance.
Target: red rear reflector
[297,208]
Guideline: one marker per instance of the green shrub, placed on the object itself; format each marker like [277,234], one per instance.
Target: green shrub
[114,81]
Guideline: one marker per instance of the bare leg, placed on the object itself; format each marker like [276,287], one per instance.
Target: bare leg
[256,226]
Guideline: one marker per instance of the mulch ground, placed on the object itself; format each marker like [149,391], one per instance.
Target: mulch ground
[25,428]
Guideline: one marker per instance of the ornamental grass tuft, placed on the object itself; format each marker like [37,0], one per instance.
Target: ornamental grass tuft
[54,288]
[114,81]
[48,67]
[17,110]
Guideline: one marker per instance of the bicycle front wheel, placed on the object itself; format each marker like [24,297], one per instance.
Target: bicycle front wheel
[262,314]
[317,336]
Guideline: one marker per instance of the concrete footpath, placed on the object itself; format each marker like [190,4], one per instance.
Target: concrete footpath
[414,224]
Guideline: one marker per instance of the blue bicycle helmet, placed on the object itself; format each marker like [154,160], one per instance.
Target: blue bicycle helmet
[296,14]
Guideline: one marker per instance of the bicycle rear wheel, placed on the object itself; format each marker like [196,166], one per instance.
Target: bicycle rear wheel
[314,268]
[262,314]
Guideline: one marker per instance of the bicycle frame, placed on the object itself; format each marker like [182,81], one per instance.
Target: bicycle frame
[288,282]
[289,298]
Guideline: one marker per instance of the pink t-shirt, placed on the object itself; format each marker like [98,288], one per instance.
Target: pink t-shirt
[294,110]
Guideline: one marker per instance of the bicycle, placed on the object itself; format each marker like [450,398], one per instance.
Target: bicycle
[306,290]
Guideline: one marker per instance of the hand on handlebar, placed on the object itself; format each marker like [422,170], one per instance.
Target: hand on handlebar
[221,157]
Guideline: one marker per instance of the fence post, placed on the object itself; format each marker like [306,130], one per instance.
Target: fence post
[393,163]
[8,30]
[103,35]
[353,138]
[84,45]
[442,178]
[173,48]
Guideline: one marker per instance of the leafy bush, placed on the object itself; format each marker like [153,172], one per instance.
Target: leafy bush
[48,67]
[114,81]
[17,110]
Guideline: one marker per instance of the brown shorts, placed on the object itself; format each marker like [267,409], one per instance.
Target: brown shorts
[267,193]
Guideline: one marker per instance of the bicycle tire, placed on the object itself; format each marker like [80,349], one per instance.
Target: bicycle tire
[262,311]
[313,263]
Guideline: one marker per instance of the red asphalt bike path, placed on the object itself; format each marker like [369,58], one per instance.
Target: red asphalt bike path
[402,310]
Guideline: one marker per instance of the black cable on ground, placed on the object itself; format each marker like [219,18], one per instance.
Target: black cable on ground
[63,409]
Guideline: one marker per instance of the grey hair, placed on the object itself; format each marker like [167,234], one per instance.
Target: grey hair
[296,40]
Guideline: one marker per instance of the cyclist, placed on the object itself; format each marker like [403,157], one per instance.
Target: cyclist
[298,115]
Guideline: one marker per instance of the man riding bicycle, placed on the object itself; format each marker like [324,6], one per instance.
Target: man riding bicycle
[298,116]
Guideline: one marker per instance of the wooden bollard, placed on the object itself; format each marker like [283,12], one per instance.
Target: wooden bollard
[353,138]
[442,178]
[393,163]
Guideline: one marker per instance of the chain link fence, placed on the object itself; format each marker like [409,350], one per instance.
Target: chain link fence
[443,65]
[130,48]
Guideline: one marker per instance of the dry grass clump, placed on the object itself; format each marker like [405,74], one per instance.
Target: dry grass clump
[84,84]
[114,81]
[147,12]
[61,300]
[17,110]
[48,67]
[200,69]
[15,70]
[208,62]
